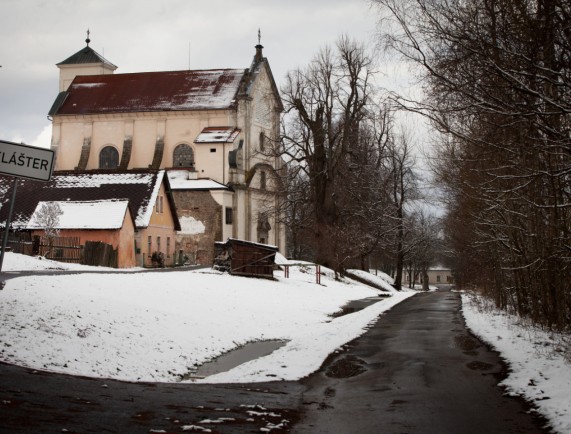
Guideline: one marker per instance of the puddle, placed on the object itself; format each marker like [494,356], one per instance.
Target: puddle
[357,305]
[231,359]
[346,367]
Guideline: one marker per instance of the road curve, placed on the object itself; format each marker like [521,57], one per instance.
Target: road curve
[418,370]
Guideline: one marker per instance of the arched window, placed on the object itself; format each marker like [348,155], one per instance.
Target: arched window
[183,156]
[109,158]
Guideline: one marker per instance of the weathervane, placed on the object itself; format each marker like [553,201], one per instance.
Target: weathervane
[259,37]
[87,41]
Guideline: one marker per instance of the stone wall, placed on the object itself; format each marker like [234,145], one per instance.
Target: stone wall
[201,225]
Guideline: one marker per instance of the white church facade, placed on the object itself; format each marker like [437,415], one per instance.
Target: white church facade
[210,130]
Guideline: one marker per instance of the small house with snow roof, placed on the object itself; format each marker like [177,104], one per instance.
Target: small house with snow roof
[131,211]
[210,130]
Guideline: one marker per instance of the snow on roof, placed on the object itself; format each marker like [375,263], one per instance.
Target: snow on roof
[139,187]
[88,180]
[439,268]
[217,135]
[144,212]
[178,180]
[96,214]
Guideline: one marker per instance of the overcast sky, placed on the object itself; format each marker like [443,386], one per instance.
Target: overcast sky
[156,35]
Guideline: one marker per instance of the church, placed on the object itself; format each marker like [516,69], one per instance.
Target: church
[212,132]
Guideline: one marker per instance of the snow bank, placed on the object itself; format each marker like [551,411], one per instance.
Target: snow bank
[14,262]
[538,368]
[158,326]
[380,280]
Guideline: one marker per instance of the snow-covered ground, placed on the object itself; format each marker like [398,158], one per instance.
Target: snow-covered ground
[539,370]
[159,326]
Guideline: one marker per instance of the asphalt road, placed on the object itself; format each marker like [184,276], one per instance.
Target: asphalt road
[418,370]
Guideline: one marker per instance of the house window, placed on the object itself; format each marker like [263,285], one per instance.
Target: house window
[183,156]
[159,205]
[438,278]
[168,247]
[158,244]
[149,245]
[262,141]
[262,180]
[229,216]
[212,149]
[109,158]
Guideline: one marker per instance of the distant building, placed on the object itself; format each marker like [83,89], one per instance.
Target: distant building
[211,130]
[440,274]
[436,275]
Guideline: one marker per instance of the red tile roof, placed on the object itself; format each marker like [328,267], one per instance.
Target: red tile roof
[152,91]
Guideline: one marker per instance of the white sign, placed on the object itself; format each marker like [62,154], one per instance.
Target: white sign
[26,161]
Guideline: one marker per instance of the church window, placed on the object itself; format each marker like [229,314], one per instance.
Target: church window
[183,156]
[229,216]
[109,158]
[263,228]
[262,180]
[262,140]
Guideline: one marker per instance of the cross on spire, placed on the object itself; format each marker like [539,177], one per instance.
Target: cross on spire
[259,37]
[87,41]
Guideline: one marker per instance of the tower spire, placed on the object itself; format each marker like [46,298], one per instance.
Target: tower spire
[87,40]
[259,56]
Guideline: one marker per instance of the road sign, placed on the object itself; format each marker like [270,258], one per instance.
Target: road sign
[26,161]
[22,161]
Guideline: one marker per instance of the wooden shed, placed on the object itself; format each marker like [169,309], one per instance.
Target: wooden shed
[245,258]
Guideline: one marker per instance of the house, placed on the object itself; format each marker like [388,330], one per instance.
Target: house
[132,211]
[436,275]
[212,131]
[439,274]
[105,221]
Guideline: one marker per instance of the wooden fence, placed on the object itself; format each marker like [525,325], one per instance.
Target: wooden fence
[100,254]
[19,242]
[62,249]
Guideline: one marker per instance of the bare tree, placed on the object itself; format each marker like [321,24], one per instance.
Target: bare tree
[403,187]
[497,79]
[47,218]
[325,105]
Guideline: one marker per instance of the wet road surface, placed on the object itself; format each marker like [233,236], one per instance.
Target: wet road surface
[417,370]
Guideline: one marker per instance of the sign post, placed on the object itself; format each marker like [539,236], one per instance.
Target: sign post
[22,161]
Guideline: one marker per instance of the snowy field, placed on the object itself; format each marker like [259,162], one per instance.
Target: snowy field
[160,326]
[539,370]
